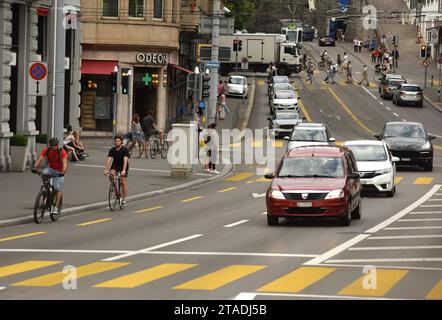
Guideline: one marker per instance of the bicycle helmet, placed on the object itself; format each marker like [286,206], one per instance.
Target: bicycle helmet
[53,141]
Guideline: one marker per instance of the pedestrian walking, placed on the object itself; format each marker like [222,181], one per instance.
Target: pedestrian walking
[374,56]
[310,71]
[221,107]
[343,37]
[339,62]
[395,54]
[367,44]
[364,76]
[355,44]
[380,54]
[349,73]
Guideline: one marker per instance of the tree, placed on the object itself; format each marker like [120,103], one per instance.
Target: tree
[242,11]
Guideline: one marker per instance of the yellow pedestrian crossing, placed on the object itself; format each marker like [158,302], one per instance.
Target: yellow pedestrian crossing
[145,276]
[25,266]
[220,278]
[240,176]
[57,278]
[397,180]
[423,180]
[297,280]
[436,292]
[374,284]
[261,82]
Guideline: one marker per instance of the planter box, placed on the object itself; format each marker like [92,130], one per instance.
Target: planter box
[39,147]
[19,157]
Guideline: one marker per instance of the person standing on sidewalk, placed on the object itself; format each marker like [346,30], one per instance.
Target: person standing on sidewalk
[374,56]
[344,62]
[395,55]
[364,76]
[373,45]
[380,55]
[349,73]
[367,44]
[212,149]
[360,44]
[118,161]
[355,44]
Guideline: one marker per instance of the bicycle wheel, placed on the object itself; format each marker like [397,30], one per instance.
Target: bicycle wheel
[112,197]
[119,198]
[164,149]
[55,216]
[138,149]
[40,206]
[154,149]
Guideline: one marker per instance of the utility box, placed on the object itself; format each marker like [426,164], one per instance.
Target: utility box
[183,151]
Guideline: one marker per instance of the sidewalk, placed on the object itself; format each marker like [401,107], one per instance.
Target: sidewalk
[86,187]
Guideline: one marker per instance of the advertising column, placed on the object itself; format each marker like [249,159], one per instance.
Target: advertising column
[161,100]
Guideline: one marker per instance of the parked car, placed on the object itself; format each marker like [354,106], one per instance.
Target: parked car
[388,87]
[410,142]
[411,94]
[284,100]
[307,134]
[313,182]
[279,86]
[237,86]
[277,79]
[326,41]
[376,166]
[282,122]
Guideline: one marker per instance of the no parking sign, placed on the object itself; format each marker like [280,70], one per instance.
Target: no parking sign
[38,80]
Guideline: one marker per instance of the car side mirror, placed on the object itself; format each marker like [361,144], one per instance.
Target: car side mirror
[378,136]
[395,159]
[332,140]
[431,137]
[304,118]
[269,176]
[299,98]
[287,138]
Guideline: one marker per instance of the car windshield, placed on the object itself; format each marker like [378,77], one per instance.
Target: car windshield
[309,135]
[283,86]
[404,130]
[281,80]
[312,167]
[369,152]
[287,115]
[395,82]
[411,88]
[236,80]
[284,95]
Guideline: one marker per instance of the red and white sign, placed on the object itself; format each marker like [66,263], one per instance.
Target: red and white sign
[38,80]
[426,63]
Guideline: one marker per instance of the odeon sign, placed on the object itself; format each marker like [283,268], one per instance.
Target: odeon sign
[157,58]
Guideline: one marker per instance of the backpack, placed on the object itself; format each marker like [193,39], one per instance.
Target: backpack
[49,150]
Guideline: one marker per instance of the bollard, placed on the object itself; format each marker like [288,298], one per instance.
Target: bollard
[432,80]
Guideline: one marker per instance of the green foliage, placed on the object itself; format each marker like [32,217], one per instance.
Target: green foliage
[42,138]
[18,140]
[242,11]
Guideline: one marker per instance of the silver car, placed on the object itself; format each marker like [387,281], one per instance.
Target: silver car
[282,122]
[409,94]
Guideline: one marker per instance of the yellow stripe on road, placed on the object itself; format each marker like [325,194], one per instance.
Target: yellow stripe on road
[235,145]
[93,222]
[191,199]
[423,180]
[22,236]
[437,147]
[220,278]
[257,144]
[398,179]
[436,292]
[227,190]
[261,82]
[263,179]
[375,284]
[277,144]
[342,104]
[240,176]
[142,277]
[57,278]
[149,209]
[304,111]
[25,266]
[297,280]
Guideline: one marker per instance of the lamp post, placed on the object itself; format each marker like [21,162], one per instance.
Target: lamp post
[114,107]
[129,99]
[214,69]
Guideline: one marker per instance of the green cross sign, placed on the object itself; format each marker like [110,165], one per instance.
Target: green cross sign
[147,79]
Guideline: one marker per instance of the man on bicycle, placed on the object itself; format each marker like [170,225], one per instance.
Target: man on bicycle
[149,129]
[118,161]
[57,161]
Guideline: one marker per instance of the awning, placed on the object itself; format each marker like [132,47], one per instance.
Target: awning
[180,68]
[433,28]
[98,66]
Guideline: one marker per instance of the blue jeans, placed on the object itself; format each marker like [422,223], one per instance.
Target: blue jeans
[57,182]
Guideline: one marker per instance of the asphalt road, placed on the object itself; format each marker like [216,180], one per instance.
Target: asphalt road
[213,242]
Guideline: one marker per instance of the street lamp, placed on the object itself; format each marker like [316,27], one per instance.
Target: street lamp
[197,70]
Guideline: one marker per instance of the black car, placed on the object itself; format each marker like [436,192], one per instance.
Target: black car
[410,142]
[326,41]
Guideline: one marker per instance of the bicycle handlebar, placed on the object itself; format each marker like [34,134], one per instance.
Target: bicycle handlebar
[40,173]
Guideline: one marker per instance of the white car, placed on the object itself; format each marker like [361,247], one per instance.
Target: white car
[309,134]
[376,166]
[284,100]
[237,86]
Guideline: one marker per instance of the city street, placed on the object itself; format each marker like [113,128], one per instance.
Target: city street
[212,241]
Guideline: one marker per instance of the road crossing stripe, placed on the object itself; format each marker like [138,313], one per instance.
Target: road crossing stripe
[25,266]
[297,280]
[277,144]
[145,276]
[22,236]
[240,176]
[423,180]
[149,209]
[382,282]
[431,205]
[235,145]
[413,228]
[425,212]
[393,248]
[257,144]
[436,292]
[227,189]
[405,237]
[57,278]
[397,180]
[434,199]
[304,111]
[191,199]
[419,220]
[93,222]
[220,278]
[261,82]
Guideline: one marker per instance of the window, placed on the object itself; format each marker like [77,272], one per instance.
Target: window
[158,9]
[110,8]
[136,8]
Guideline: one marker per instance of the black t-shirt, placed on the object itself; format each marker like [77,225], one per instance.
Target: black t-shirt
[118,156]
[148,123]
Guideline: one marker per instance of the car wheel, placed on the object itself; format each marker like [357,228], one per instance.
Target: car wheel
[391,193]
[272,221]
[356,213]
[345,220]
[429,166]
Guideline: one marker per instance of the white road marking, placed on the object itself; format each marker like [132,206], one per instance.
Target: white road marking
[258,195]
[394,248]
[371,94]
[388,108]
[431,206]
[385,260]
[381,103]
[414,228]
[66,251]
[235,223]
[435,135]
[396,114]
[418,220]
[253,295]
[404,120]
[425,212]
[264,213]
[2,288]
[435,200]
[405,237]
[139,169]
[333,252]
[379,266]
[152,248]
[338,117]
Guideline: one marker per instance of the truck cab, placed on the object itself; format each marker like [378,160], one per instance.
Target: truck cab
[290,59]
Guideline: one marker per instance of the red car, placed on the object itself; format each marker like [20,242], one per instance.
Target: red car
[315,181]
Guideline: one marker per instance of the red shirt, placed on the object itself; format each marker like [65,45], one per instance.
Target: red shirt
[54,160]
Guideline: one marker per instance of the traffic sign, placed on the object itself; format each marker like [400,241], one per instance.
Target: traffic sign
[38,80]
[211,64]
[439,60]
[426,63]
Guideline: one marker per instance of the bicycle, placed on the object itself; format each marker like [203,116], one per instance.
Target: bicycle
[45,200]
[138,149]
[114,194]
[156,147]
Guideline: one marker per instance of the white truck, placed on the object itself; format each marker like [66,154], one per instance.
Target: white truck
[258,50]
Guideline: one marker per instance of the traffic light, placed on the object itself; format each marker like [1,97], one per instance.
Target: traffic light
[423,51]
[239,45]
[114,81]
[205,86]
[125,81]
[155,80]
[394,41]
[235,44]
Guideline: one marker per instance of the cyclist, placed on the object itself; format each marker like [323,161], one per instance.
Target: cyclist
[57,161]
[149,129]
[118,161]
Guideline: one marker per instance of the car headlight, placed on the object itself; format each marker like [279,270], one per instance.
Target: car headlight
[384,171]
[276,194]
[335,194]
[426,145]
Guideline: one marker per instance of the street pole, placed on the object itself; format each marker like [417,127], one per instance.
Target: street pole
[60,37]
[214,69]
[114,107]
[425,78]
[129,100]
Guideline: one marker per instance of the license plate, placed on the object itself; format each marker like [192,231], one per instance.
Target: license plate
[364,182]
[405,159]
[304,204]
